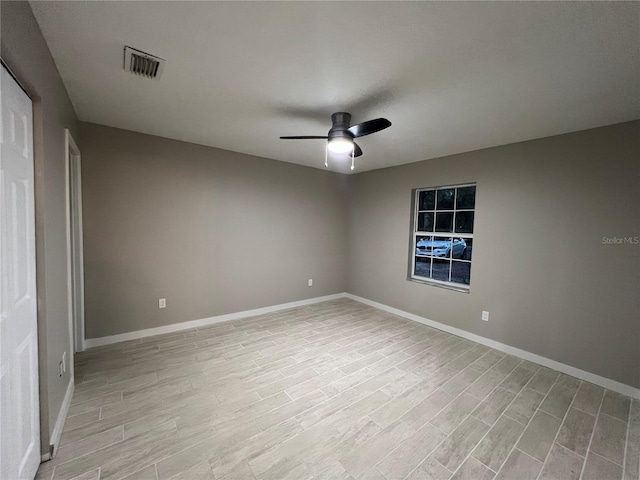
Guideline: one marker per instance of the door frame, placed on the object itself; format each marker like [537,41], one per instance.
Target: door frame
[75,283]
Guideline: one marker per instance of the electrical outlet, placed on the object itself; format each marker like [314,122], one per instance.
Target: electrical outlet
[64,362]
[311,282]
[485,316]
[162,303]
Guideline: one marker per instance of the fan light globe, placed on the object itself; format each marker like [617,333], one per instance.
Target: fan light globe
[340,145]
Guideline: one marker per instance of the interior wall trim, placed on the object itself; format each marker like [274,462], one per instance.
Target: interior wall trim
[607,383]
[62,417]
[177,327]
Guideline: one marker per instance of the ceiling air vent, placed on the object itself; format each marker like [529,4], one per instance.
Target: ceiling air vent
[142,63]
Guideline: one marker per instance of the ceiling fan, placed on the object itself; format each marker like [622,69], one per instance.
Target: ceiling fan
[340,137]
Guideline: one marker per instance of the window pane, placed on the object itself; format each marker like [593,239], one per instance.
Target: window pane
[444,222]
[427,200]
[461,272]
[445,199]
[466,255]
[422,267]
[440,247]
[425,222]
[466,198]
[464,222]
[424,245]
[440,270]
[458,247]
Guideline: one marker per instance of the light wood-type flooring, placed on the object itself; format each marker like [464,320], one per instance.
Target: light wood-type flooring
[336,390]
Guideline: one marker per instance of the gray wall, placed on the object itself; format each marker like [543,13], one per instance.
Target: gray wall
[540,266]
[218,232]
[23,48]
[212,231]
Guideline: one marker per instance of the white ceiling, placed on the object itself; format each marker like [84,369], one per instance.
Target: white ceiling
[451,76]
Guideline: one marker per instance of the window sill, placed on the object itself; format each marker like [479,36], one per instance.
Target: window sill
[446,286]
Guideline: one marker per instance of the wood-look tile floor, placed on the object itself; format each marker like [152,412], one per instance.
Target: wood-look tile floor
[336,390]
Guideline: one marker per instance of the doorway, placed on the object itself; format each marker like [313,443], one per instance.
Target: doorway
[74,245]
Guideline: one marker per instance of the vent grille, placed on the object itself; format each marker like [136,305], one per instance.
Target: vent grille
[143,64]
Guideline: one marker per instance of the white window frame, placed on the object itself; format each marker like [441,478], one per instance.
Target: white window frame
[415,233]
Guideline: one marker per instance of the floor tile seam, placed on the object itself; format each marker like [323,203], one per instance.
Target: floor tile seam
[474,396]
[445,435]
[444,439]
[111,392]
[613,418]
[313,378]
[290,439]
[626,440]
[536,390]
[476,458]
[340,410]
[87,453]
[92,420]
[515,443]
[482,400]
[625,445]
[515,396]
[53,470]
[292,417]
[585,412]
[591,452]
[435,415]
[395,447]
[480,440]
[569,450]
[492,390]
[593,432]
[470,455]
[207,439]
[456,358]
[418,466]
[386,346]
[265,398]
[449,403]
[564,419]
[109,417]
[531,457]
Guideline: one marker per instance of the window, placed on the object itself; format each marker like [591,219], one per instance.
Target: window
[442,235]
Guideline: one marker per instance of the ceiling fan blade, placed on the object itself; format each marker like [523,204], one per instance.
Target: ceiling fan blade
[367,128]
[303,138]
[357,151]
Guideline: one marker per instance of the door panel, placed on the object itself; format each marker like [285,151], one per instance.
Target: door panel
[19,233]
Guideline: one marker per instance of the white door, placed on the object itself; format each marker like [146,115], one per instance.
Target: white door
[19,415]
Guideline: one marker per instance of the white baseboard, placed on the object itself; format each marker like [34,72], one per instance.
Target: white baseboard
[62,417]
[560,367]
[176,327]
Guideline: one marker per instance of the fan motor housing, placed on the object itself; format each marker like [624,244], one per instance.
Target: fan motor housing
[333,134]
[340,126]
